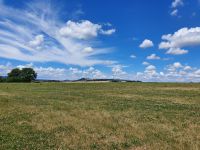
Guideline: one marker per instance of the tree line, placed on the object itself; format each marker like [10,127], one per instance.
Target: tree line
[20,75]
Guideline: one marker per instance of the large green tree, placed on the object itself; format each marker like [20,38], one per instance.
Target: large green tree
[28,75]
[14,75]
[24,75]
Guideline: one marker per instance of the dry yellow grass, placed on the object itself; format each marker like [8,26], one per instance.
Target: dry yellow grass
[135,116]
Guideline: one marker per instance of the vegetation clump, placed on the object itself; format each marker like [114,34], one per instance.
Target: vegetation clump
[2,79]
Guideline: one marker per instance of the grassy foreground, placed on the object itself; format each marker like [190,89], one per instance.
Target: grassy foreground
[100,116]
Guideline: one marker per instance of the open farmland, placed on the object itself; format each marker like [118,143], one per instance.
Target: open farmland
[99,116]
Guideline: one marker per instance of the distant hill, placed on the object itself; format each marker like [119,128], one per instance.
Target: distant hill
[88,80]
[105,80]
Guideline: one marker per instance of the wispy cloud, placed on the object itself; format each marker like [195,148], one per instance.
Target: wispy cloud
[36,34]
[174,12]
[175,4]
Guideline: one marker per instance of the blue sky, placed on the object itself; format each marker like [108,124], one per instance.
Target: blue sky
[146,40]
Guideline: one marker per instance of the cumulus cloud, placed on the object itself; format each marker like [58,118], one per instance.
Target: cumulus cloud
[83,30]
[37,26]
[146,44]
[51,73]
[150,70]
[91,73]
[177,65]
[133,56]
[80,30]
[118,72]
[185,37]
[173,67]
[153,57]
[176,72]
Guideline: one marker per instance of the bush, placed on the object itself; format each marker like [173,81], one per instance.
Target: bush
[1,79]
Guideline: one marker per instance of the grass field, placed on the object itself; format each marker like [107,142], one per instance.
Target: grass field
[100,116]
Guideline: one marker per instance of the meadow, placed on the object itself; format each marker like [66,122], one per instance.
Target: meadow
[108,116]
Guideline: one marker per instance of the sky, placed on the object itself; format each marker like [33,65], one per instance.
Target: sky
[147,40]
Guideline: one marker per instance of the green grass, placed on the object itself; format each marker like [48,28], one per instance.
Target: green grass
[100,116]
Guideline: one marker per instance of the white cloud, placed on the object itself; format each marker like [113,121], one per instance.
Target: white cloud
[150,70]
[46,72]
[146,44]
[187,68]
[153,57]
[108,32]
[133,56]
[5,69]
[182,38]
[38,40]
[176,51]
[56,73]
[196,74]
[23,32]
[175,72]
[146,63]
[150,67]
[88,50]
[173,67]
[177,65]
[51,73]
[91,73]
[117,71]
[174,12]
[75,70]
[80,30]
[83,30]
[177,3]
[149,74]
[25,66]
